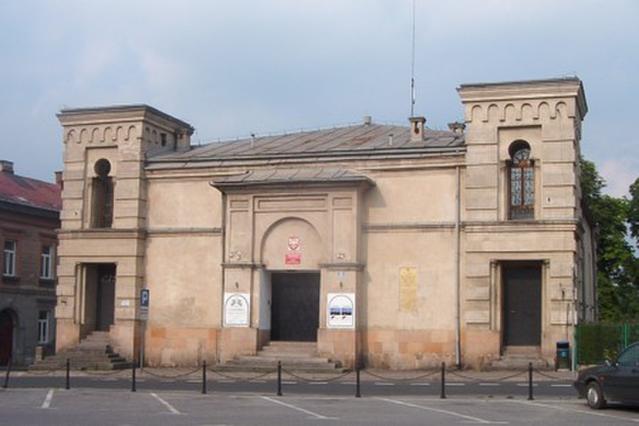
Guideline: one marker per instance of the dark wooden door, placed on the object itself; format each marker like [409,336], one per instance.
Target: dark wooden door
[295,306]
[105,304]
[522,305]
[6,337]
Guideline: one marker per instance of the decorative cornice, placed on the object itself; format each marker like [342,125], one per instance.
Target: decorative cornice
[102,233]
[180,231]
[242,265]
[415,226]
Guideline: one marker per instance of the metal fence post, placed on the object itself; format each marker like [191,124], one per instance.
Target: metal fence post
[204,376]
[442,393]
[67,384]
[134,364]
[626,335]
[6,377]
[279,378]
[530,382]
[358,393]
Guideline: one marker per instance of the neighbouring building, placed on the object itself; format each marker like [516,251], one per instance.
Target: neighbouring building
[29,219]
[398,246]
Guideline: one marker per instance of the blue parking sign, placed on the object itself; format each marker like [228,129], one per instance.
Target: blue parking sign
[144,297]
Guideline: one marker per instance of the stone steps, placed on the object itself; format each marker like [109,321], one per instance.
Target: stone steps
[92,353]
[295,356]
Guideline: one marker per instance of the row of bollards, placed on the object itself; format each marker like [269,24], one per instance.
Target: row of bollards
[358,392]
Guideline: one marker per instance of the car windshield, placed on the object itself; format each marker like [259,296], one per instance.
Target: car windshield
[629,357]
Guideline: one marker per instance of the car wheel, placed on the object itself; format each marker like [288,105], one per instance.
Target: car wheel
[595,396]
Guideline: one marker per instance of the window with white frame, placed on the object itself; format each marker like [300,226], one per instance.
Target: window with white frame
[43,327]
[9,267]
[46,263]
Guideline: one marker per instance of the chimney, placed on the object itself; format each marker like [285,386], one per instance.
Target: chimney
[457,127]
[6,166]
[58,179]
[417,125]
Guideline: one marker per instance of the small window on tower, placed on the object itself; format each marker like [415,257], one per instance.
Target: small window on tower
[522,181]
[102,205]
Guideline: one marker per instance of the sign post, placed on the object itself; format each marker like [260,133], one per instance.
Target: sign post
[145,296]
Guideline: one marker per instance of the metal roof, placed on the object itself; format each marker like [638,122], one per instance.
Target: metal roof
[307,175]
[24,191]
[356,139]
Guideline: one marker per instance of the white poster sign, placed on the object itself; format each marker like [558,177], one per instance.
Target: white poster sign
[340,310]
[236,309]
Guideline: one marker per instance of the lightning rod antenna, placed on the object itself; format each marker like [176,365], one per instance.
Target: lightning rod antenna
[412,68]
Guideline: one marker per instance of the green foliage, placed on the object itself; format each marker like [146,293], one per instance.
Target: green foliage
[616,219]
[633,211]
[603,341]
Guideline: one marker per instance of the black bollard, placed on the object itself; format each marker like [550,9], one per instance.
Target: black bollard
[442,393]
[204,377]
[530,382]
[279,378]
[6,377]
[67,384]
[358,393]
[133,367]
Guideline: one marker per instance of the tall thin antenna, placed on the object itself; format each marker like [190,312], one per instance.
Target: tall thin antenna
[412,68]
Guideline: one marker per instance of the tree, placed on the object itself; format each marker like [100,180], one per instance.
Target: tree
[617,265]
[633,211]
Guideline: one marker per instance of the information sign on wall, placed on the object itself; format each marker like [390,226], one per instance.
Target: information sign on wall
[340,310]
[236,309]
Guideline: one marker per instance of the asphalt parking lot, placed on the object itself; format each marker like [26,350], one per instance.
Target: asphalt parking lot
[23,406]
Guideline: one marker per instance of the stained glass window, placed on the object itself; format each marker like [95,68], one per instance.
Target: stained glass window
[522,182]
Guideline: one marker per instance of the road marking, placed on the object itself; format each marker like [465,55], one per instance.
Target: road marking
[318,383]
[561,385]
[441,411]
[489,384]
[293,407]
[47,400]
[455,384]
[575,410]
[257,381]
[384,384]
[288,383]
[420,384]
[225,381]
[526,384]
[171,408]
[348,383]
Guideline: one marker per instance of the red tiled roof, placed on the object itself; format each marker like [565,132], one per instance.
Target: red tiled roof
[29,192]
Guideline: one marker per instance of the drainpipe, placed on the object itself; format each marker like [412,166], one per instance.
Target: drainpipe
[458,271]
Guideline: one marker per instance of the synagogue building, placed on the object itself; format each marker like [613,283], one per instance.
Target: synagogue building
[397,246]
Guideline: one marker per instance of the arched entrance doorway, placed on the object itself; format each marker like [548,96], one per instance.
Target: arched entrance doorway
[6,336]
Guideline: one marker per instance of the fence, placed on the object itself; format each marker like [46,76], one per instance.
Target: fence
[437,377]
[597,342]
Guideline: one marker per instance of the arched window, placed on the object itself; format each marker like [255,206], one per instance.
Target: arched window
[522,181]
[102,202]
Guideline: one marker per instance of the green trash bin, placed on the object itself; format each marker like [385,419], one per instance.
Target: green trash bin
[562,358]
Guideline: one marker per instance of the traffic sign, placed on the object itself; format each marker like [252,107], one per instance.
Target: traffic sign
[145,297]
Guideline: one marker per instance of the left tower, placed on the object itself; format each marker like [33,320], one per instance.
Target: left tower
[103,219]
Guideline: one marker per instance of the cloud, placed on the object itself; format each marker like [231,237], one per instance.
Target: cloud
[619,175]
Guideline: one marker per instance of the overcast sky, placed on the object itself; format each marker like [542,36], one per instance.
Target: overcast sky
[236,67]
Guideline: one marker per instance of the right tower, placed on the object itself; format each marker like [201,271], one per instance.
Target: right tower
[527,249]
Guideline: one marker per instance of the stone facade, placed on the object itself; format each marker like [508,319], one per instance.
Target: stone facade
[412,224]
